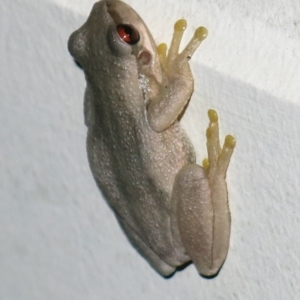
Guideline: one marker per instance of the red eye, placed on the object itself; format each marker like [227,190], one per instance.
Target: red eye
[128,34]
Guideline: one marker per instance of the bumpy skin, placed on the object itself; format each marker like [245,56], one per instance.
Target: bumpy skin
[135,144]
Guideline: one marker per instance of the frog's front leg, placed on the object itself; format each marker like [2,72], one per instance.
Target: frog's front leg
[178,83]
[200,212]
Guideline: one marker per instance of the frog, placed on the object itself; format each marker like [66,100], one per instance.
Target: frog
[172,210]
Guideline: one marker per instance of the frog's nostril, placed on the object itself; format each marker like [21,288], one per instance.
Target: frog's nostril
[145,57]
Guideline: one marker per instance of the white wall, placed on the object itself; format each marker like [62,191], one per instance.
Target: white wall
[59,240]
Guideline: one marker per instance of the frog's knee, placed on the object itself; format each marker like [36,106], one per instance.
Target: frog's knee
[189,176]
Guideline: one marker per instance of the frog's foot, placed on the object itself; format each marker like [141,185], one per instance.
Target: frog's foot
[178,83]
[168,59]
[218,158]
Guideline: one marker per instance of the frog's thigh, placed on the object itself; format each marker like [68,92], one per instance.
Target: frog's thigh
[159,265]
[195,219]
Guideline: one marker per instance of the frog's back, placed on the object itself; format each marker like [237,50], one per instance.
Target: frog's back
[135,166]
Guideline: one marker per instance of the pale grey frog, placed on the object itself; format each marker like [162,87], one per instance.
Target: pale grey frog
[171,209]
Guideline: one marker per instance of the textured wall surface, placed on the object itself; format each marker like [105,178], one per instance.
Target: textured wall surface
[59,240]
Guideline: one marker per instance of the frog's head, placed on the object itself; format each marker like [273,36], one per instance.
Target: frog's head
[116,34]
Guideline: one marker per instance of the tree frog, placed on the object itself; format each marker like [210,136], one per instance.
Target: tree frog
[172,210]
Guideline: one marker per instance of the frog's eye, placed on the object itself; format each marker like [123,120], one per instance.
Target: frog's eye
[128,34]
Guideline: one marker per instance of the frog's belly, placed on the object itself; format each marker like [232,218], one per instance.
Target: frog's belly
[136,175]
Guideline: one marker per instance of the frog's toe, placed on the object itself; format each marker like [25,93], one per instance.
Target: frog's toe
[162,54]
[213,142]
[213,116]
[179,29]
[200,35]
[225,155]
[230,142]
[205,164]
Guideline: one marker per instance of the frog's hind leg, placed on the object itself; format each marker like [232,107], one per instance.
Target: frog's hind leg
[156,263]
[200,213]
[193,219]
